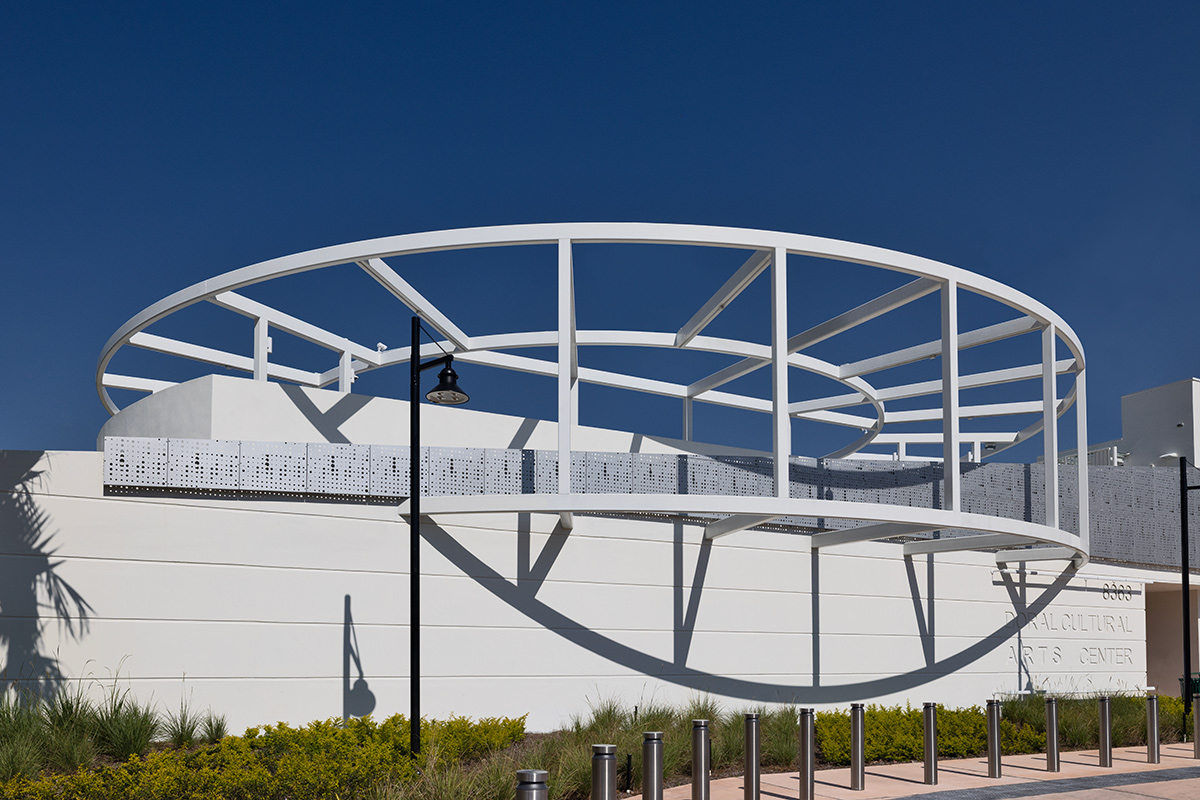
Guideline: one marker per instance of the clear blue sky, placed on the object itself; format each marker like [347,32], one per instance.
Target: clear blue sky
[1052,146]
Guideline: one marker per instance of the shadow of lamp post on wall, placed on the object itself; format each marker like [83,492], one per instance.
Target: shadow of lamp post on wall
[445,393]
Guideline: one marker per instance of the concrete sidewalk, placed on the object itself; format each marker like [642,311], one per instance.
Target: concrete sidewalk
[1081,778]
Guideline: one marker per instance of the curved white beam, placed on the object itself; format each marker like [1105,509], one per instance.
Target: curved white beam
[729,506]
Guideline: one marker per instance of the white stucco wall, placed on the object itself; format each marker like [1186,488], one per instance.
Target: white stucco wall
[247,598]
[224,407]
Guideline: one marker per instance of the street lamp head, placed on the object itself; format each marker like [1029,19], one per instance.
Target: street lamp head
[447,393]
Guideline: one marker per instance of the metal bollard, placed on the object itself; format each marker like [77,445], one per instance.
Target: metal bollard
[1196,726]
[1053,763]
[700,759]
[1105,731]
[531,784]
[858,747]
[808,758]
[652,765]
[1152,754]
[931,744]
[604,772]
[993,738]
[751,781]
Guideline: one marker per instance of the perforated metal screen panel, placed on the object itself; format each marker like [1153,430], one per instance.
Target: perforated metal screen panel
[135,462]
[389,471]
[1134,510]
[339,469]
[204,464]
[274,467]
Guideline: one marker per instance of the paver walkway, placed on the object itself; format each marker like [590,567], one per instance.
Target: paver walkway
[1024,776]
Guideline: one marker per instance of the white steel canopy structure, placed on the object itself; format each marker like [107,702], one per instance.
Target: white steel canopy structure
[865,380]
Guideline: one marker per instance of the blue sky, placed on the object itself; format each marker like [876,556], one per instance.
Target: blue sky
[1052,146]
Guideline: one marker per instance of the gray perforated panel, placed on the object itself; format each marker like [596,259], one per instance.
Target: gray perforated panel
[203,464]
[130,461]
[656,473]
[456,470]
[274,467]
[545,471]
[389,471]
[505,472]
[608,473]
[339,469]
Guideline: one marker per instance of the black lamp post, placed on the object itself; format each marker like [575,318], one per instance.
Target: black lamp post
[1185,569]
[445,393]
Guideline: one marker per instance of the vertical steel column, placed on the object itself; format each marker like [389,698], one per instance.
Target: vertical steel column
[993,738]
[751,782]
[604,772]
[1050,424]
[1152,751]
[1053,764]
[951,435]
[652,765]
[808,759]
[531,784]
[781,420]
[931,744]
[858,747]
[700,759]
[1105,715]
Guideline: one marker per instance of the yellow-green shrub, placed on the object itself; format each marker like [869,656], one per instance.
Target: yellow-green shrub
[319,760]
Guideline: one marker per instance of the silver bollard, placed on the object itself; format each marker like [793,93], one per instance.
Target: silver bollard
[1053,764]
[931,744]
[808,756]
[858,747]
[604,772]
[531,784]
[1196,726]
[1152,752]
[652,765]
[993,738]
[751,781]
[700,759]
[1105,715]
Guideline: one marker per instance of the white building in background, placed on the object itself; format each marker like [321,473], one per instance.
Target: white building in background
[251,534]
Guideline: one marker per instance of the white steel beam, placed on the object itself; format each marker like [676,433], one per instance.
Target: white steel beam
[1037,554]
[1050,426]
[835,418]
[135,384]
[867,311]
[951,438]
[920,352]
[966,412]
[782,421]
[1081,445]
[925,388]
[865,533]
[378,269]
[734,524]
[725,375]
[744,276]
[332,376]
[956,544]
[293,325]
[345,372]
[999,437]
[195,352]
[568,370]
[262,348]
[689,419]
